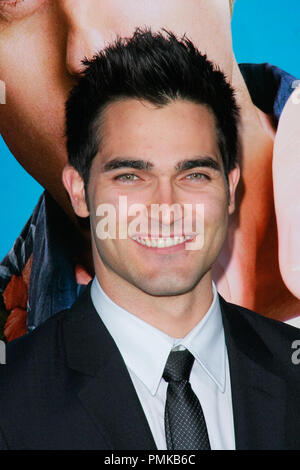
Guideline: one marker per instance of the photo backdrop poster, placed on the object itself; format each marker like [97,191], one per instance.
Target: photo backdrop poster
[259,267]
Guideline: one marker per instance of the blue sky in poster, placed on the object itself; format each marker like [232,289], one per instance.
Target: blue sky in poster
[263,31]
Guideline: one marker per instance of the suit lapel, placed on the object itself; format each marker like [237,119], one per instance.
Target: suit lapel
[258,392]
[107,393]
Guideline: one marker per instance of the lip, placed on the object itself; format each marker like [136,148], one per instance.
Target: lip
[172,235]
[168,249]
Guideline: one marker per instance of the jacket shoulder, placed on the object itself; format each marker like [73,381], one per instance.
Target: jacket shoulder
[44,342]
[257,335]
[261,321]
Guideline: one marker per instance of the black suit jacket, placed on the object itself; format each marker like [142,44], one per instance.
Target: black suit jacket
[65,385]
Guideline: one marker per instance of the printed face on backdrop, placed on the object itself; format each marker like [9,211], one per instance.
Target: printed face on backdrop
[42,44]
[164,140]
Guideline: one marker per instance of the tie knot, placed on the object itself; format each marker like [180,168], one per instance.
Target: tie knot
[178,366]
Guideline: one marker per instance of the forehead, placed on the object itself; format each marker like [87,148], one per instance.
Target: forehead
[136,128]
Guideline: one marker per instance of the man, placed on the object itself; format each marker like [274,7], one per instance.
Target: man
[49,39]
[150,356]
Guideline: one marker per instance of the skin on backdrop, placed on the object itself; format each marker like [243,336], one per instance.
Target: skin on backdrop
[45,41]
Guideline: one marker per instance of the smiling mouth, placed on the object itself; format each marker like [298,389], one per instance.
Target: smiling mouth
[165,242]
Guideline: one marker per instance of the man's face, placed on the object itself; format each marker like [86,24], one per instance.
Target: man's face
[153,156]
[42,43]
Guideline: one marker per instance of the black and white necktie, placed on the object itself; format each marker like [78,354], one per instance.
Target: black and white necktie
[185,425]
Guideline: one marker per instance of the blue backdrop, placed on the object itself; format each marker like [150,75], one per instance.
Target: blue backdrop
[263,31]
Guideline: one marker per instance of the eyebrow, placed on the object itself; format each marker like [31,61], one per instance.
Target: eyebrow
[127,163]
[187,164]
[205,161]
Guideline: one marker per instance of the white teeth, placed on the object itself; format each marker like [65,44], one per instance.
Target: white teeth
[168,242]
[162,242]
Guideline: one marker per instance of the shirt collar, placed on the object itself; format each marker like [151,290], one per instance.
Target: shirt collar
[145,349]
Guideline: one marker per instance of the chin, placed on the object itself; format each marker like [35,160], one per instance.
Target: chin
[167,287]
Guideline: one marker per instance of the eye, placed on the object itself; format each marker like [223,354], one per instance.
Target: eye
[197,176]
[126,178]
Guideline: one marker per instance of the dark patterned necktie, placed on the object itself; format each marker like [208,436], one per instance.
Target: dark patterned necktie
[184,420]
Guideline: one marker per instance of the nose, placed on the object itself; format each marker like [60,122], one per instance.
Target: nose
[85,35]
[164,191]
[165,207]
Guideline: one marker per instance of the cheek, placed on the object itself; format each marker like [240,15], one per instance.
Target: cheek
[106,199]
[206,22]
[31,64]
[22,10]
[104,211]
[121,199]
[215,214]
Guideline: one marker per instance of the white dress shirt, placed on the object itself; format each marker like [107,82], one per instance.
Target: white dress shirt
[145,350]
[294,322]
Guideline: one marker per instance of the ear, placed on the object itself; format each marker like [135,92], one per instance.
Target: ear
[233,179]
[74,184]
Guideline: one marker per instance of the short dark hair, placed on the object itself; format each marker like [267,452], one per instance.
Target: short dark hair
[155,67]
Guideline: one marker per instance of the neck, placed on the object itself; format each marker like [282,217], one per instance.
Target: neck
[254,193]
[253,121]
[246,273]
[175,315]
